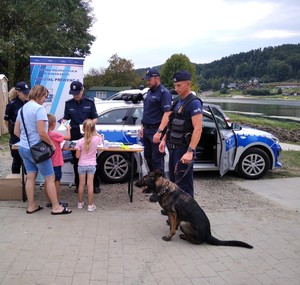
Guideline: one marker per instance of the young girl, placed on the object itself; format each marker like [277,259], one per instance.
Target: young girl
[57,158]
[86,150]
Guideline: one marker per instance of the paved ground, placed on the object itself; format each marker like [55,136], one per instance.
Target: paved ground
[117,246]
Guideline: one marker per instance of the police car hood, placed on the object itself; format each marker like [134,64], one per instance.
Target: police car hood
[248,131]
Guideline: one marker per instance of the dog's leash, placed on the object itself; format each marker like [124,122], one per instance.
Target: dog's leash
[185,171]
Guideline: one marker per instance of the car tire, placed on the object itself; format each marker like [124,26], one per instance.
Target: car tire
[253,163]
[114,167]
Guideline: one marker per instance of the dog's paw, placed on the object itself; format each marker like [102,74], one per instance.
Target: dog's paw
[182,236]
[167,238]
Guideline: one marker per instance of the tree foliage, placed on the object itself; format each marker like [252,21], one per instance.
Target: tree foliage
[174,64]
[120,72]
[42,27]
[271,64]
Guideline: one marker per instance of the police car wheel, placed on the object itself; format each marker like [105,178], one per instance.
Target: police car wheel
[114,167]
[253,163]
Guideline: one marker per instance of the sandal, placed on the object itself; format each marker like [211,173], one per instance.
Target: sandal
[36,210]
[65,211]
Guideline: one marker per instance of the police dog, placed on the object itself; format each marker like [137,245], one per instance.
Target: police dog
[183,210]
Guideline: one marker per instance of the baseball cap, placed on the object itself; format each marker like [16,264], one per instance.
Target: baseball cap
[23,87]
[75,87]
[182,76]
[152,72]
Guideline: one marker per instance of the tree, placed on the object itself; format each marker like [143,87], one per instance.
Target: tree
[48,27]
[94,77]
[120,72]
[174,64]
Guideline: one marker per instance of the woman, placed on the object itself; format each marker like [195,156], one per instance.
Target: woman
[36,121]
[18,96]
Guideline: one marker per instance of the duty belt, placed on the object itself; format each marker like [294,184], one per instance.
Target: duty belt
[175,146]
[151,126]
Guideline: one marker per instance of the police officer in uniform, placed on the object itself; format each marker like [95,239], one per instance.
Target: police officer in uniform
[19,96]
[157,106]
[78,109]
[183,133]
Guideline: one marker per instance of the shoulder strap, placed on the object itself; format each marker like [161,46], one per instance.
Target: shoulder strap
[24,126]
[188,99]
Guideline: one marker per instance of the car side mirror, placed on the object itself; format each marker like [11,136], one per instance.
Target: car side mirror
[236,126]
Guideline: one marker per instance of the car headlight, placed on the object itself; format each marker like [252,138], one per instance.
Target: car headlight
[275,140]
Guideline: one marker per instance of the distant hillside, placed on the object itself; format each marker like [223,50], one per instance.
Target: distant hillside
[271,64]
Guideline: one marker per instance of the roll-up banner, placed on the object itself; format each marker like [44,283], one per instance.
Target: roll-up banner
[56,74]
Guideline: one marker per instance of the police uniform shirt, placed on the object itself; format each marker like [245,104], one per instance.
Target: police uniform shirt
[194,107]
[78,112]
[11,113]
[156,103]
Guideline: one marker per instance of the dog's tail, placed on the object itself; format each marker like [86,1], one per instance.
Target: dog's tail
[214,241]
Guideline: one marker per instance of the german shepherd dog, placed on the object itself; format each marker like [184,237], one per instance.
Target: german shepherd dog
[183,210]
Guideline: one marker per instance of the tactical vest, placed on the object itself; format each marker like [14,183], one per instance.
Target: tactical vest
[180,126]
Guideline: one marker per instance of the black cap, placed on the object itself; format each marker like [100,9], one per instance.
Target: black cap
[23,87]
[182,76]
[152,72]
[75,87]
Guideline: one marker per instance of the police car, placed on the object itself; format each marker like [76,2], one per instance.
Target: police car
[223,146]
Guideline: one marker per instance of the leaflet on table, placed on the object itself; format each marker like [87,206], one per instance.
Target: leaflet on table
[106,144]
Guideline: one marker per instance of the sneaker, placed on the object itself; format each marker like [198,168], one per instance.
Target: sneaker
[91,208]
[80,205]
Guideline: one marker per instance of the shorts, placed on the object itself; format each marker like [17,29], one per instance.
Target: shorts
[57,172]
[86,169]
[44,167]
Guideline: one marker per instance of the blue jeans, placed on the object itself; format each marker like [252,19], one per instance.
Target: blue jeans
[154,158]
[177,169]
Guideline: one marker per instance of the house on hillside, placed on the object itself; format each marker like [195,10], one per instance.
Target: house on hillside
[103,92]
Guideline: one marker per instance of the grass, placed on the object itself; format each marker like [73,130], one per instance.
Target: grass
[276,123]
[4,141]
[291,166]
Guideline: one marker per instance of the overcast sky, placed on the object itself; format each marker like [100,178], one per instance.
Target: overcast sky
[150,32]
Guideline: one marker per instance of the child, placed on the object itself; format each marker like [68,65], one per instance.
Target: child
[86,150]
[57,158]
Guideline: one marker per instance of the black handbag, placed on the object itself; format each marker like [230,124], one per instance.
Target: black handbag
[41,151]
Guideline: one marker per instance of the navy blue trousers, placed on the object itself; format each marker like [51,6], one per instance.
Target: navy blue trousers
[154,158]
[177,170]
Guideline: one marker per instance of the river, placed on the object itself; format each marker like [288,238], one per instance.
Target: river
[283,109]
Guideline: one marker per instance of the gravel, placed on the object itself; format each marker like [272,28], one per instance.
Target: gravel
[212,193]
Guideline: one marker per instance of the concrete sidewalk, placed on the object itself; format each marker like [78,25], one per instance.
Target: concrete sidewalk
[283,191]
[125,247]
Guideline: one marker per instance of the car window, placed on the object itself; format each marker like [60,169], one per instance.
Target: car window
[137,116]
[115,117]
[220,120]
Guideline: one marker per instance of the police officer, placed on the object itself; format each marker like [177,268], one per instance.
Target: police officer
[78,109]
[183,133]
[157,106]
[18,97]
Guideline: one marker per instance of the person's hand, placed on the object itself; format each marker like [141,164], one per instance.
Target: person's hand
[162,146]
[187,157]
[156,137]
[141,132]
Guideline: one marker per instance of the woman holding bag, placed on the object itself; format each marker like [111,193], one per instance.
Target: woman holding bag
[36,122]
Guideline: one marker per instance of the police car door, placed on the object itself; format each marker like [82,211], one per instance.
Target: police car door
[226,142]
[111,124]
